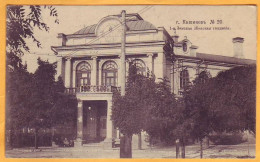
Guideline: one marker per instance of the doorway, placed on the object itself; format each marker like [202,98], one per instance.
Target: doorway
[94,121]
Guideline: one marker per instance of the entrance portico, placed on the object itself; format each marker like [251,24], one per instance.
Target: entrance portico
[94,122]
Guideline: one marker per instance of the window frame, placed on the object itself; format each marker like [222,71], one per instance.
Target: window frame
[109,67]
[184,78]
[80,72]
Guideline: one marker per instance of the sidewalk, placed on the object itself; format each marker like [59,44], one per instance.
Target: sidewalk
[193,151]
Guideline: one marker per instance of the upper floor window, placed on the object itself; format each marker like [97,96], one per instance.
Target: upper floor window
[185,47]
[109,73]
[83,73]
[184,79]
[140,66]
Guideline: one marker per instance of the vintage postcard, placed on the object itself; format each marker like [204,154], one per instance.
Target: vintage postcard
[130,81]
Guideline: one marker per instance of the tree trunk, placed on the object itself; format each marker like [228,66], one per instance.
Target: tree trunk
[11,137]
[201,151]
[140,141]
[207,141]
[126,146]
[183,149]
[177,143]
[36,139]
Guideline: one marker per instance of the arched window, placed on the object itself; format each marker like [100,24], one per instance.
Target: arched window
[109,73]
[83,73]
[185,47]
[184,79]
[140,66]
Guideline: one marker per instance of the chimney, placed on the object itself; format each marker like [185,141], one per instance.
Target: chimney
[63,38]
[175,38]
[193,50]
[238,47]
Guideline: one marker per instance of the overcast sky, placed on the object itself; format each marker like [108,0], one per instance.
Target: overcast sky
[241,20]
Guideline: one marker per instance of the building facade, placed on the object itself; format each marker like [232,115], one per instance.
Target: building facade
[91,65]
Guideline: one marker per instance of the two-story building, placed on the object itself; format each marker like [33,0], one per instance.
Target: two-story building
[90,63]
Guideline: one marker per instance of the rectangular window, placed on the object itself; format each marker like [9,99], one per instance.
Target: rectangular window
[184,79]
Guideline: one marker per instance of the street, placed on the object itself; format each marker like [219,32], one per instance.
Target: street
[193,151]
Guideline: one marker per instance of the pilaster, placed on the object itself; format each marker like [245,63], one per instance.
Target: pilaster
[94,71]
[78,141]
[68,73]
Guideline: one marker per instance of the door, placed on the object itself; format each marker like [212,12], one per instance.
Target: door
[91,123]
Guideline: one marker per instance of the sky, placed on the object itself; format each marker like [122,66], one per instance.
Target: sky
[239,20]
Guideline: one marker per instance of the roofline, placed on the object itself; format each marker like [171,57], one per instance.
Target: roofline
[130,14]
[93,35]
[105,45]
[197,58]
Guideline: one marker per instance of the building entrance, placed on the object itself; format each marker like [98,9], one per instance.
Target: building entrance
[94,121]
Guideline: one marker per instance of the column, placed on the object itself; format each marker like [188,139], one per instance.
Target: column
[109,133]
[94,71]
[78,141]
[73,78]
[59,68]
[150,62]
[172,78]
[176,78]
[159,71]
[68,73]
[109,121]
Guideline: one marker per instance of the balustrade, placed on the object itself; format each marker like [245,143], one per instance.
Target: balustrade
[92,89]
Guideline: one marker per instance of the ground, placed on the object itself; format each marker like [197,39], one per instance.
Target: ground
[96,151]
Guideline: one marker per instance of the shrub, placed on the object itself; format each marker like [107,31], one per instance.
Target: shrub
[227,139]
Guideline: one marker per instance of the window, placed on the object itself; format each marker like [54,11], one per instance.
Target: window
[184,79]
[140,66]
[185,47]
[83,72]
[109,73]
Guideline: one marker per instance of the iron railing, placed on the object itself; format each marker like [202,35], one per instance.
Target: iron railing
[92,89]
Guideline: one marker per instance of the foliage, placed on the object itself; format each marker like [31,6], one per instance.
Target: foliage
[127,111]
[37,100]
[235,100]
[30,97]
[147,106]
[20,24]
[18,92]
[159,111]
[227,139]
[224,103]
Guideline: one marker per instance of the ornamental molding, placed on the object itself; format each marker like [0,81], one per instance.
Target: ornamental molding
[77,62]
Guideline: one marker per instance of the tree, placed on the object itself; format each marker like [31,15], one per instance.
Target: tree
[225,103]
[20,24]
[160,105]
[127,111]
[18,90]
[201,96]
[38,101]
[147,106]
[193,112]
[235,102]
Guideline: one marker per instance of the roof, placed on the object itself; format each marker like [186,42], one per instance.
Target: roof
[130,16]
[87,30]
[224,59]
[136,25]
